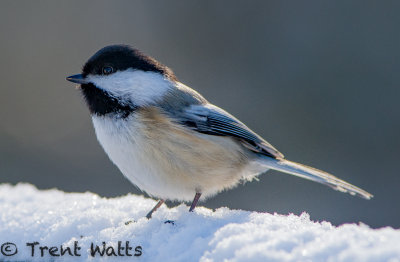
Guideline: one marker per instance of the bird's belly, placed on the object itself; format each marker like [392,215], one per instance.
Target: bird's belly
[169,162]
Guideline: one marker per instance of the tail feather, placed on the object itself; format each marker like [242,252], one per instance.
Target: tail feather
[316,175]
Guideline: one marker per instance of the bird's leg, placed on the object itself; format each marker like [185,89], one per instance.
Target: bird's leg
[160,202]
[194,203]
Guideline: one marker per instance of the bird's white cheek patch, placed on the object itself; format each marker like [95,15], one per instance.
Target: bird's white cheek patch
[135,86]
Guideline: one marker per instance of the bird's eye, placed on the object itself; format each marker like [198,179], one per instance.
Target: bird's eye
[107,70]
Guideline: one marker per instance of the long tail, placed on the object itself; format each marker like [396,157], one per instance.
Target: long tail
[316,175]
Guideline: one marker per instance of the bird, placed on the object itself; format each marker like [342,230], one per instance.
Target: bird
[168,140]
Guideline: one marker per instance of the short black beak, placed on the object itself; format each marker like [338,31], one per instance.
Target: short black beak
[79,79]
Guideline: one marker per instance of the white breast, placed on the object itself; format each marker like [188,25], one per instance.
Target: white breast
[122,142]
[168,162]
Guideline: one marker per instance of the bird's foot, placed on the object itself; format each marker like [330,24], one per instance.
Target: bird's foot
[172,222]
[130,222]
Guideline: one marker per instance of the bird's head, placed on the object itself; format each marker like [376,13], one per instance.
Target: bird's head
[119,78]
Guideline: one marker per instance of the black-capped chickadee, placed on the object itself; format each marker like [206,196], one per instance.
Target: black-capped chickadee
[167,139]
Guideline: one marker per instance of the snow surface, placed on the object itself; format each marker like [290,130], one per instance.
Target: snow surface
[54,218]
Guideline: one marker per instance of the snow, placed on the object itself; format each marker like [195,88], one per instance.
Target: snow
[56,219]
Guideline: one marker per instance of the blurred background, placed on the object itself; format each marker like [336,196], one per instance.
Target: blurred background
[318,79]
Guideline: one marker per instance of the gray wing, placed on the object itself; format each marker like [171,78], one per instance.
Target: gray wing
[212,120]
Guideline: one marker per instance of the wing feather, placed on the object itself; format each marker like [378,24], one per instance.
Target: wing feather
[212,120]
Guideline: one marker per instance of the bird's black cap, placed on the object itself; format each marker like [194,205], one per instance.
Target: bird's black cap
[122,57]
